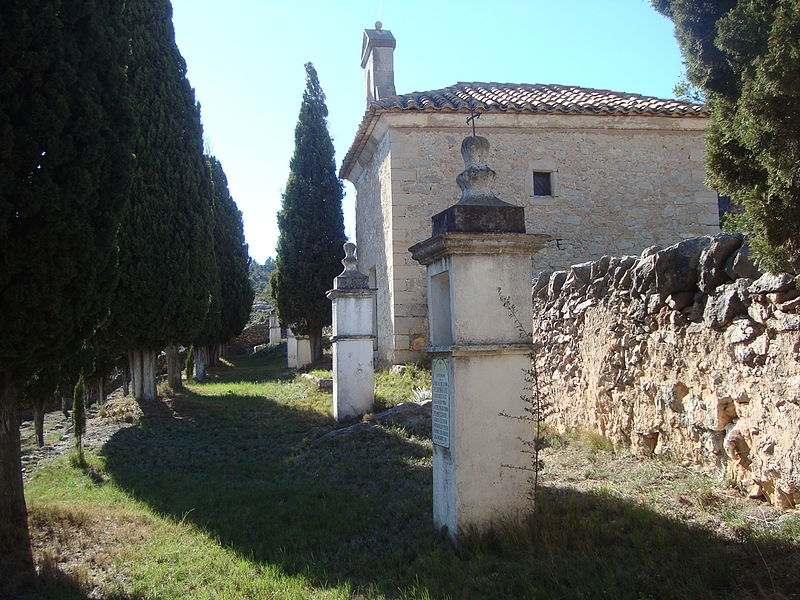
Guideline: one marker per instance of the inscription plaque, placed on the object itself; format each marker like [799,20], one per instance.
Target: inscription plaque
[440,405]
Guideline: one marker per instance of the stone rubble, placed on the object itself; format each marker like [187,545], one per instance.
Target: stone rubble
[687,351]
[407,415]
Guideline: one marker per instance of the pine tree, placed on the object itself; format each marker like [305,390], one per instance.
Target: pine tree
[64,176]
[310,223]
[746,56]
[166,248]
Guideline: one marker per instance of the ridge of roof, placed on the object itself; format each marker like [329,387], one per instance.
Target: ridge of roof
[520,98]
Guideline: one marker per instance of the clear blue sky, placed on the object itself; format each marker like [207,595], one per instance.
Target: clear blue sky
[246,58]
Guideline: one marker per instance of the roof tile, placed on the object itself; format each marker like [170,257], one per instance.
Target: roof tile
[521,97]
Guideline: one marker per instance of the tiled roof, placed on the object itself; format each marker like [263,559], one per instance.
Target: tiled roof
[520,98]
[524,97]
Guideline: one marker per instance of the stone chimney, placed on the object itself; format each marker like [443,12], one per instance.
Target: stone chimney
[377,60]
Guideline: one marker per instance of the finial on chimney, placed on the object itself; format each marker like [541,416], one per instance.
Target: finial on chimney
[377,60]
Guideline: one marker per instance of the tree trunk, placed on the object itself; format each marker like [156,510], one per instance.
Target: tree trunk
[16,557]
[135,362]
[91,391]
[38,406]
[126,380]
[149,390]
[174,367]
[200,362]
[64,400]
[143,369]
[315,340]
[101,391]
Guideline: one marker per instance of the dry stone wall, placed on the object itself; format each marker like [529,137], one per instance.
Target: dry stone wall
[687,351]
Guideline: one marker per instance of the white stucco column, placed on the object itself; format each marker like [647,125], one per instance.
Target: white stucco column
[291,349]
[303,351]
[478,256]
[274,329]
[298,350]
[353,371]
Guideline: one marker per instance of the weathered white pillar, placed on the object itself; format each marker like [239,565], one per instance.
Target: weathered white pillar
[353,371]
[478,256]
[291,348]
[298,350]
[274,329]
[303,351]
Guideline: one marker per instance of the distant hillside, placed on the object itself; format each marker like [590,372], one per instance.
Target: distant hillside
[259,277]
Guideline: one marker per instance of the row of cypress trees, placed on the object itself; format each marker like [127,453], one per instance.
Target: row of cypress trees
[118,237]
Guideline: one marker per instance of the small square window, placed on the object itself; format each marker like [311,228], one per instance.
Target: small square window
[542,185]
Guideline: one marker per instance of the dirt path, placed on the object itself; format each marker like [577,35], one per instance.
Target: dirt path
[102,422]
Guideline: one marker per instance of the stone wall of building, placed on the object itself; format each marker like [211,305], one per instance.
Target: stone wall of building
[621,183]
[374,234]
[687,351]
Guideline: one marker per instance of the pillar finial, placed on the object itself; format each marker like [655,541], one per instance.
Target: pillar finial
[477,179]
[351,278]
[349,261]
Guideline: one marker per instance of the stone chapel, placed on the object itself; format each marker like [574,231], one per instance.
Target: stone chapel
[602,172]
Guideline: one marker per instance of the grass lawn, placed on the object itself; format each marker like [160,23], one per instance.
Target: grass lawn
[226,492]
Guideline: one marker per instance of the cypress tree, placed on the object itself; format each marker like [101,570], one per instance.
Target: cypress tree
[233,262]
[64,176]
[233,300]
[310,223]
[746,56]
[79,417]
[166,248]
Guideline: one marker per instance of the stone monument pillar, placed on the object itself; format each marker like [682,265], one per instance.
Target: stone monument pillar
[298,350]
[353,371]
[478,263]
[291,349]
[274,329]
[303,351]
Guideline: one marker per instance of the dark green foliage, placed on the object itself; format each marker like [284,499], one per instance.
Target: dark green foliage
[65,158]
[310,221]
[745,54]
[64,173]
[166,251]
[230,249]
[79,415]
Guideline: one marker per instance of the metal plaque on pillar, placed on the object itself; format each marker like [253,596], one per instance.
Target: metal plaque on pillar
[440,395]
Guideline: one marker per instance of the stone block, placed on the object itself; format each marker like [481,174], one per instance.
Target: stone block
[676,267]
[739,264]
[723,304]
[770,283]
[713,259]
[555,284]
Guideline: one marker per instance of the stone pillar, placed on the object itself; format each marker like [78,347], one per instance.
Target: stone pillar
[479,255]
[353,371]
[298,350]
[274,329]
[291,348]
[303,351]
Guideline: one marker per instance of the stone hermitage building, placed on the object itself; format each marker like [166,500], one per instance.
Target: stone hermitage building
[605,173]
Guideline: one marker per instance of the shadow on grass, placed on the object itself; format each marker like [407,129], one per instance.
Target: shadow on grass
[252,472]
[269,364]
[55,584]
